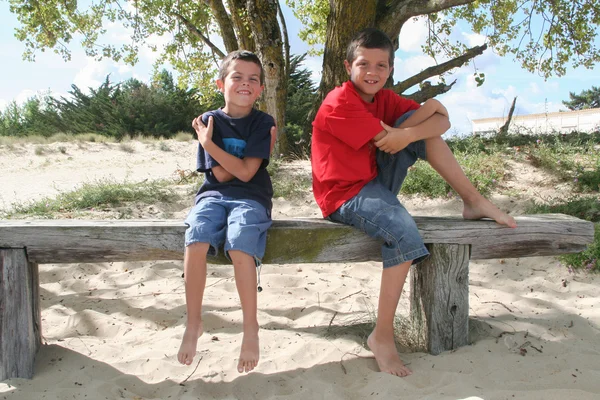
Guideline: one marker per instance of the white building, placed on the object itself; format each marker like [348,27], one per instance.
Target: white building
[564,122]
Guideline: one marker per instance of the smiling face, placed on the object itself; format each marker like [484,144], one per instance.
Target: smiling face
[241,87]
[369,71]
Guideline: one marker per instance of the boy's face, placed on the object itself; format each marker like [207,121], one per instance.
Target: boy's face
[241,86]
[369,71]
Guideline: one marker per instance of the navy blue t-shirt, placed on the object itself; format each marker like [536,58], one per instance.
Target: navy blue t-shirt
[249,136]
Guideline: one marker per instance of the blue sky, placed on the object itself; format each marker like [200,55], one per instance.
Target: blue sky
[504,78]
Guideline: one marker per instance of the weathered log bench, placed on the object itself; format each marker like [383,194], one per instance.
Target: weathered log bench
[440,286]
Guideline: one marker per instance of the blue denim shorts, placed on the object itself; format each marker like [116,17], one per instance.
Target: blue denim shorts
[376,210]
[232,224]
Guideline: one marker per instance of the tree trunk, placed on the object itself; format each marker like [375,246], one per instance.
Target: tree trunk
[262,17]
[345,19]
[225,24]
[504,128]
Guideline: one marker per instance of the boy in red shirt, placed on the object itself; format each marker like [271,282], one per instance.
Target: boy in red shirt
[359,162]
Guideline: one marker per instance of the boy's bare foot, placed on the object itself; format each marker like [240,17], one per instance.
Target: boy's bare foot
[483,208]
[387,357]
[249,353]
[187,350]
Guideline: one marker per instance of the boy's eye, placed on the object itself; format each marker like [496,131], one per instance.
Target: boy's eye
[254,79]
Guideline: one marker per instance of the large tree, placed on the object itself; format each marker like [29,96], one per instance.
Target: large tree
[544,36]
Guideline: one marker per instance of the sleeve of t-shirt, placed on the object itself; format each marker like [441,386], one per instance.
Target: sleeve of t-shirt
[204,161]
[353,124]
[403,105]
[258,144]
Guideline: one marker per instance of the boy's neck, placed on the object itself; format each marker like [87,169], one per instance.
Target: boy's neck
[236,112]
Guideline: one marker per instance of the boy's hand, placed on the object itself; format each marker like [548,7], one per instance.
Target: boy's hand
[204,132]
[394,141]
[273,137]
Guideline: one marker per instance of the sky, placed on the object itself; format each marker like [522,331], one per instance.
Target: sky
[504,78]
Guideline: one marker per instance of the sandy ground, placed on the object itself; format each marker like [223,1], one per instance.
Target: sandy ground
[112,331]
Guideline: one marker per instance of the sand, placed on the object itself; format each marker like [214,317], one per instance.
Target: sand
[112,331]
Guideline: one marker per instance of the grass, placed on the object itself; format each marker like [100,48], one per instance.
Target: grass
[90,196]
[294,188]
[56,138]
[485,171]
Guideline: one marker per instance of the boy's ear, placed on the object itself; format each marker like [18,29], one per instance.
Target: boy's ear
[220,85]
[348,67]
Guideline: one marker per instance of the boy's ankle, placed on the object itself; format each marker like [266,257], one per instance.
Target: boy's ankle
[251,327]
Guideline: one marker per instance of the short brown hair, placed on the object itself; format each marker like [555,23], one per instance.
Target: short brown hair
[243,55]
[370,38]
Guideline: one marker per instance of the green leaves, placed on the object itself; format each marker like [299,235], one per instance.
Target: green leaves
[479,78]
[586,99]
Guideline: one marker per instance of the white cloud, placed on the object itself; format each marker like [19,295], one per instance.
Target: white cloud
[413,35]
[3,104]
[473,39]
[92,74]
[25,95]
[124,68]
[315,66]
[405,68]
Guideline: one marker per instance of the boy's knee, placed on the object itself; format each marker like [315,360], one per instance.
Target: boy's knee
[403,118]
[240,257]
[197,249]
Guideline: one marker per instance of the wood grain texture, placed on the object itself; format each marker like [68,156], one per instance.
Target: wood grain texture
[20,334]
[289,241]
[440,298]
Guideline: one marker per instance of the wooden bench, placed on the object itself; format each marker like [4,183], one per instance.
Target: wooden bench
[439,287]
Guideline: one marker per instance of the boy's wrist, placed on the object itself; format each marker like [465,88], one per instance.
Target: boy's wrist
[207,144]
[411,133]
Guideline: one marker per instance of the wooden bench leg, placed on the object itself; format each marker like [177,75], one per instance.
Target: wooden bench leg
[440,298]
[20,320]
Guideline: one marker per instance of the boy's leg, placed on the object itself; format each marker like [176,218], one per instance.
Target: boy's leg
[247,226]
[245,281]
[194,267]
[476,206]
[376,211]
[205,233]
[382,340]
[392,168]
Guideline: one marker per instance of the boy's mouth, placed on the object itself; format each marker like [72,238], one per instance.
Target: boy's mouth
[371,82]
[247,92]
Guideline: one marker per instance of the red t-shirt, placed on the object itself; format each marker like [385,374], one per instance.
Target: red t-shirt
[343,154]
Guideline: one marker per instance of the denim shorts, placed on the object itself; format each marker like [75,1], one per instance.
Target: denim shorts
[376,210]
[229,223]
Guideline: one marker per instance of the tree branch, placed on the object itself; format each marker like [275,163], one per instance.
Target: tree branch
[286,40]
[225,24]
[439,69]
[196,32]
[397,12]
[428,91]
[412,8]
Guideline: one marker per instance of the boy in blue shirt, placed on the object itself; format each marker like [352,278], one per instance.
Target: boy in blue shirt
[233,205]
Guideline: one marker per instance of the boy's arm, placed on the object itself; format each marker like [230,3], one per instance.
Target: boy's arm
[430,120]
[221,173]
[242,168]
